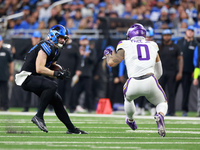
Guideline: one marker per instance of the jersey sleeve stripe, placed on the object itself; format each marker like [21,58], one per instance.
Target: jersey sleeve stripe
[120,43]
[46,48]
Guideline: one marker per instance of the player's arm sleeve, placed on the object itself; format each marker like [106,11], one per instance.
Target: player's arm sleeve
[46,48]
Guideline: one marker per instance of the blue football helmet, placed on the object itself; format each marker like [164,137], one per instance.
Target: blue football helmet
[136,30]
[55,32]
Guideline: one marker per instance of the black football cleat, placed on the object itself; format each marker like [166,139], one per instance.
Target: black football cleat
[76,131]
[40,123]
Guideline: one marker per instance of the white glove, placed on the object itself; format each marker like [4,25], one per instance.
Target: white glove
[75,79]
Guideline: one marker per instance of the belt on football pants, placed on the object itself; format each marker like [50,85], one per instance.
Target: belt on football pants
[143,77]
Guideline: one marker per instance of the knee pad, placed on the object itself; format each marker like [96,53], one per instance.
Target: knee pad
[162,107]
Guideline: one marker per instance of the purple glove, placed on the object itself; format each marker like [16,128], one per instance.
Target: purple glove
[107,51]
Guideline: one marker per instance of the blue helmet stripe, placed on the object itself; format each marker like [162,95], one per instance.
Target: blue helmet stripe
[46,48]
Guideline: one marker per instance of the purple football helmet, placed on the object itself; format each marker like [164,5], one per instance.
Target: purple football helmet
[136,30]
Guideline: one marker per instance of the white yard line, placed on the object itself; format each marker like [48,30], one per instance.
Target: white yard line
[63,127]
[21,132]
[98,115]
[86,137]
[11,123]
[47,143]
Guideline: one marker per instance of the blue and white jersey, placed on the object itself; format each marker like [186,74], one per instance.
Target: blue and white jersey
[140,56]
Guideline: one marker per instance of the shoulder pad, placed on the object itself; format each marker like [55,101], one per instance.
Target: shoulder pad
[46,47]
[155,45]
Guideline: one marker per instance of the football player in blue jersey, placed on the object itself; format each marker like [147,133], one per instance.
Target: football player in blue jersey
[33,77]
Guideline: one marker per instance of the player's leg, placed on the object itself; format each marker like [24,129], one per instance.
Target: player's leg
[129,108]
[158,98]
[140,101]
[129,105]
[159,117]
[45,89]
[49,88]
[61,113]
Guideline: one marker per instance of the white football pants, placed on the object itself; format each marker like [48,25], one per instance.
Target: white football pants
[150,88]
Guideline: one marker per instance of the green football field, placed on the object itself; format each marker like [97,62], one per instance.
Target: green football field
[105,132]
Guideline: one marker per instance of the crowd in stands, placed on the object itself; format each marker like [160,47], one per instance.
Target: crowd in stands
[83,14]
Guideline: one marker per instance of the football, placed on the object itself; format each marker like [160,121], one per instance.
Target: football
[55,67]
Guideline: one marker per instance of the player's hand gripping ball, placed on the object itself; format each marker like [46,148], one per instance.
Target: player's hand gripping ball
[59,72]
[55,67]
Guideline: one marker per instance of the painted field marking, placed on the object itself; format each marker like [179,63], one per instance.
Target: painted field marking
[127,131]
[104,127]
[102,147]
[85,137]
[47,143]
[99,115]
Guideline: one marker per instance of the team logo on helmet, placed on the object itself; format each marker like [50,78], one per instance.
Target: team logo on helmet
[136,30]
[55,32]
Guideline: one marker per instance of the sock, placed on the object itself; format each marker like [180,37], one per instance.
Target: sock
[162,107]
[129,108]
